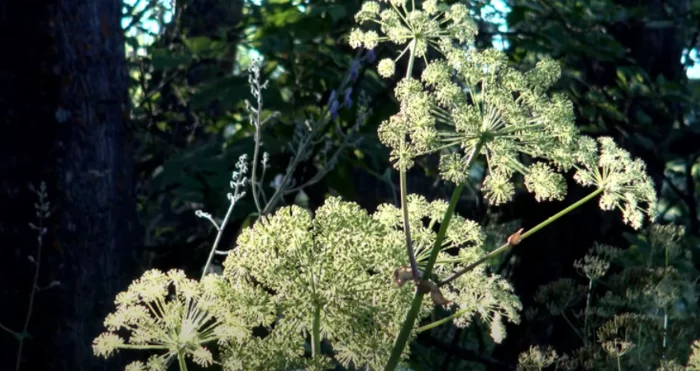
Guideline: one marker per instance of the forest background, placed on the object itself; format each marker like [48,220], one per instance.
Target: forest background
[130,147]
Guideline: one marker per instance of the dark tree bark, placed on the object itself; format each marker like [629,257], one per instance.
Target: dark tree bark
[63,94]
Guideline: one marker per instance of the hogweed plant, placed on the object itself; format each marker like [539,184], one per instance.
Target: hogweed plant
[639,310]
[340,286]
[470,103]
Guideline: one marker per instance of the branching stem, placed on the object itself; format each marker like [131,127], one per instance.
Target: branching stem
[407,327]
[525,235]
[220,232]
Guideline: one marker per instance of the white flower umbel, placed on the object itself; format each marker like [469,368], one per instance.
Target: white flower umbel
[624,181]
[474,99]
[433,25]
[178,324]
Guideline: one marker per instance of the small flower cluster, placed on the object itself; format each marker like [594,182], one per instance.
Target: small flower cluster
[559,295]
[624,181]
[434,25]
[537,358]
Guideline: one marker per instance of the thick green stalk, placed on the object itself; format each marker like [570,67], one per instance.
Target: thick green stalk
[316,334]
[403,187]
[525,235]
[181,360]
[407,327]
[501,250]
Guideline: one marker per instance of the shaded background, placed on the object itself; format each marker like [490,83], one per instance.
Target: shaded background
[133,114]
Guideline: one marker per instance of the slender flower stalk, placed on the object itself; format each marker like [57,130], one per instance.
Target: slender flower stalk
[439,322]
[316,334]
[587,312]
[42,213]
[505,247]
[256,89]
[238,181]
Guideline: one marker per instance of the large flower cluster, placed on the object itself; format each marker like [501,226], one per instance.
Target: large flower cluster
[340,265]
[473,104]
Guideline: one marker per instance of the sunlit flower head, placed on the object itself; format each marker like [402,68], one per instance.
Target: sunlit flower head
[474,100]
[404,23]
[625,183]
[161,311]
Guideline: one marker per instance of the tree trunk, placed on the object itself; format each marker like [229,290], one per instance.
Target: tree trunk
[63,94]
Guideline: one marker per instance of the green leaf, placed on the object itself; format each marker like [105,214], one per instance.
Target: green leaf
[335,11]
[234,89]
[164,59]
[203,46]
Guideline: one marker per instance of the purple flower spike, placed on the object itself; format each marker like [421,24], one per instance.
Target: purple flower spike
[334,110]
[370,56]
[347,100]
[354,69]
[332,98]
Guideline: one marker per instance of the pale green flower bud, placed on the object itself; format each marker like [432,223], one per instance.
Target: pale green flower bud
[356,38]
[431,7]
[107,344]
[498,189]
[545,183]
[452,168]
[537,358]
[371,39]
[592,266]
[386,68]
[436,73]
[369,10]
[544,75]
[135,366]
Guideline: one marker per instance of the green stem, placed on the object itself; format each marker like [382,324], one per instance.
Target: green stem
[404,190]
[181,360]
[411,59]
[442,321]
[256,151]
[219,233]
[571,324]
[525,235]
[316,334]
[406,225]
[588,309]
[407,327]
